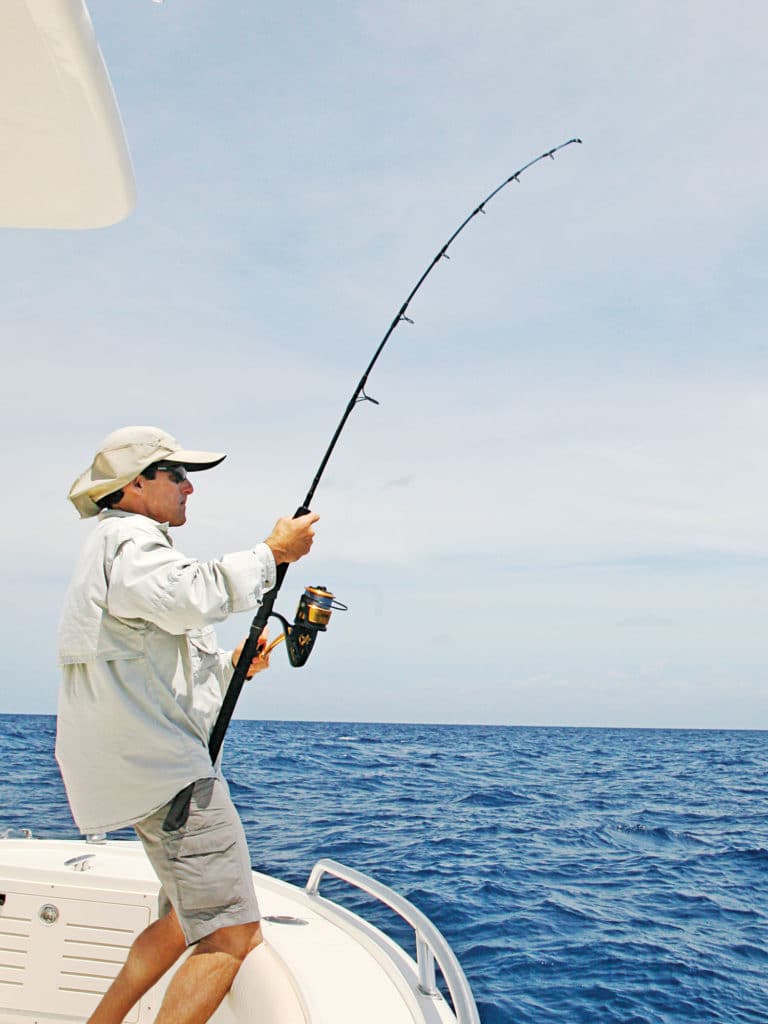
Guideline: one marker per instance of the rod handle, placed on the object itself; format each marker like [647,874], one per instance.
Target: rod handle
[248,653]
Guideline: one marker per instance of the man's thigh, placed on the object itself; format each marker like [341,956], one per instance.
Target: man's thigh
[204,867]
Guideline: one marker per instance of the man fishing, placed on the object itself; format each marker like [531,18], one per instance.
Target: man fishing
[142,682]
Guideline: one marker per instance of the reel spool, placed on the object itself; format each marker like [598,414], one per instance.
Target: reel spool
[316,605]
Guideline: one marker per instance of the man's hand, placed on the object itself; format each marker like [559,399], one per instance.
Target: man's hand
[260,662]
[292,538]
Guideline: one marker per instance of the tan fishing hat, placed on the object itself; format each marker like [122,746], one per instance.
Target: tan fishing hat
[122,455]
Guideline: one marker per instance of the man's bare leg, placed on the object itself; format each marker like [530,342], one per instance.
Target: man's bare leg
[152,953]
[206,976]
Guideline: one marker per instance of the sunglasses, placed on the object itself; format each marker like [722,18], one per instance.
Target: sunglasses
[178,474]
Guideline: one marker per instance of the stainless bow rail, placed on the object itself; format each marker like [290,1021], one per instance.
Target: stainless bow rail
[431,945]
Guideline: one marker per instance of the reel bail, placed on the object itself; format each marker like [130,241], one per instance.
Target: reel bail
[316,605]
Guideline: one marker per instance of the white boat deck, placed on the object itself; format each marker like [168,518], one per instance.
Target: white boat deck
[321,965]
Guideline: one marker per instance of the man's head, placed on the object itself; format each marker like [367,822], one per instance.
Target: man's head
[140,469]
[159,492]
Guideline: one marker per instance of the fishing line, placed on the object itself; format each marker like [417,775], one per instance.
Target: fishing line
[317,603]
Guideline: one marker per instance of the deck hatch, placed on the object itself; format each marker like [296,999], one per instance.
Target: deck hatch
[63,966]
[14,946]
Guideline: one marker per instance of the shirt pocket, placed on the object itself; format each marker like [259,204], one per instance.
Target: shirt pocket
[203,653]
[206,869]
[203,640]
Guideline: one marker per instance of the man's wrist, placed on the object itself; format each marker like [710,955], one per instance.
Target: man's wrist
[278,553]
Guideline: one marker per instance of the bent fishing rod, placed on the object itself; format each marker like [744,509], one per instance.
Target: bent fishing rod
[316,603]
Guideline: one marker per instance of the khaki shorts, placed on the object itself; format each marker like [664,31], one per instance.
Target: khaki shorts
[204,868]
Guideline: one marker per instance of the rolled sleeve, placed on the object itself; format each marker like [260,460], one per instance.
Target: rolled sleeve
[151,580]
[249,575]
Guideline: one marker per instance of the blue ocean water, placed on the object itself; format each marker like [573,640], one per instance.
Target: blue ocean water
[581,875]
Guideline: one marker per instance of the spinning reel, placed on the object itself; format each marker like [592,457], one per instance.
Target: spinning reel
[313,614]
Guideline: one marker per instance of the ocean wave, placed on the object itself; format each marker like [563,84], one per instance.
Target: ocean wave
[494,798]
[651,837]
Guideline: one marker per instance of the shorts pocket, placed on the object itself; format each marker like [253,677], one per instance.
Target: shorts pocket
[205,869]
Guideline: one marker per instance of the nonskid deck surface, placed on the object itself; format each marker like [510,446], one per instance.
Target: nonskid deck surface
[71,911]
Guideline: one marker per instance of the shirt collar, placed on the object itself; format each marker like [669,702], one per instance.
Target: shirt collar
[114,513]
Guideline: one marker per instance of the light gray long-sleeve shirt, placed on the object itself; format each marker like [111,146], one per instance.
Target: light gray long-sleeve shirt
[142,674]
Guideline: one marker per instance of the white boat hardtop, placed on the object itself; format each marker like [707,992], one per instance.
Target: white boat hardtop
[64,160]
[70,910]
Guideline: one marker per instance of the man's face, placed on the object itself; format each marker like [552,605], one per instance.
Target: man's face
[165,497]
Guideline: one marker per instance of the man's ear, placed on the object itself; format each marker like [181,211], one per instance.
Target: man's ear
[136,484]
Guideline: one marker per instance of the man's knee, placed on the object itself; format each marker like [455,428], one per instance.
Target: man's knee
[235,940]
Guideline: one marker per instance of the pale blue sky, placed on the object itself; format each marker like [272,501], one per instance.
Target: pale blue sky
[557,513]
